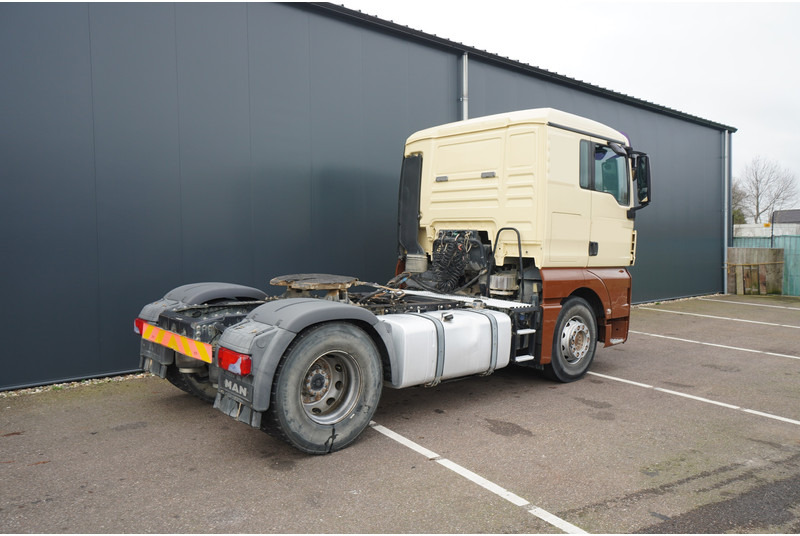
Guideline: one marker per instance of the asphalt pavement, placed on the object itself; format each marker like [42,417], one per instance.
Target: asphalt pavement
[692,426]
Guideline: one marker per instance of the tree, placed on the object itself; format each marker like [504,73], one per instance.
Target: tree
[738,204]
[766,187]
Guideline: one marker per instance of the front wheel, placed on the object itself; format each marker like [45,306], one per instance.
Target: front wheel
[574,341]
[326,388]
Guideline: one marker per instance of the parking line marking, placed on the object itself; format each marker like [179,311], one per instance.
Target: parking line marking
[719,317]
[699,399]
[715,345]
[646,386]
[482,482]
[771,416]
[753,304]
[513,498]
[404,441]
[567,527]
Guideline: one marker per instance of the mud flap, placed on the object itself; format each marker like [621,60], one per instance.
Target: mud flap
[155,358]
[236,409]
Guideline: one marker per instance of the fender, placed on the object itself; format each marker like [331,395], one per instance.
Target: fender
[269,329]
[611,286]
[197,293]
[296,314]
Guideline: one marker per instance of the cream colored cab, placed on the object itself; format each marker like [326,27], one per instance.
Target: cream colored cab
[563,181]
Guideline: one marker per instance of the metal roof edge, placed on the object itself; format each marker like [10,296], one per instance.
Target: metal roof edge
[446,44]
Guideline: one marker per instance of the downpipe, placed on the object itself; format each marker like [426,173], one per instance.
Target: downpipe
[727,217]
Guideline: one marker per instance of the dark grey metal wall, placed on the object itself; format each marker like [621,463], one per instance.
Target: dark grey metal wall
[143,146]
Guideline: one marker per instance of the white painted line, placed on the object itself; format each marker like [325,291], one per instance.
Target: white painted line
[482,482]
[753,304]
[715,345]
[404,441]
[771,416]
[699,399]
[500,491]
[646,386]
[719,317]
[567,527]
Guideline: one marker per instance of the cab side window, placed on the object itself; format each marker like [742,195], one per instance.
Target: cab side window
[603,170]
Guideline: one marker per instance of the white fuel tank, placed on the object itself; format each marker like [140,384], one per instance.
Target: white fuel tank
[439,345]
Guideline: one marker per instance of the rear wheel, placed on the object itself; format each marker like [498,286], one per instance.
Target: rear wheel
[574,341]
[326,388]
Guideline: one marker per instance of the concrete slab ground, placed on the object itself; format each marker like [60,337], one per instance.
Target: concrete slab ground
[692,426]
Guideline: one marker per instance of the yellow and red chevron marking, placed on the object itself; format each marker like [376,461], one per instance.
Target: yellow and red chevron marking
[179,343]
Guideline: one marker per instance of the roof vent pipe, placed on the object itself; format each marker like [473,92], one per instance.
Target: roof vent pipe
[463,83]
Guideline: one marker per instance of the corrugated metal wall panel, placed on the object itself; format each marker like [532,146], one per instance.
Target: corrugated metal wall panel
[49,243]
[791,257]
[137,167]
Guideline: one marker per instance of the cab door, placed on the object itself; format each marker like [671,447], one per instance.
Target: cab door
[611,232]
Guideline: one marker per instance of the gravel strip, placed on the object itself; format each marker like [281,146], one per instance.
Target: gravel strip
[72,385]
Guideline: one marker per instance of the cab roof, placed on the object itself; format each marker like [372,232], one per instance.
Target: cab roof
[539,116]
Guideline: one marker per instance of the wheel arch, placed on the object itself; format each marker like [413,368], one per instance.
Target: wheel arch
[594,301]
[376,332]
[198,293]
[560,284]
[296,316]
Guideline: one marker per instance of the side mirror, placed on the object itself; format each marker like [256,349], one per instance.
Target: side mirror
[641,174]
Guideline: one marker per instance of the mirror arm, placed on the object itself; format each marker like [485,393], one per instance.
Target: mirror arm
[632,211]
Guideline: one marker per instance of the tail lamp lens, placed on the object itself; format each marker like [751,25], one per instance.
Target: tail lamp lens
[234,361]
[138,326]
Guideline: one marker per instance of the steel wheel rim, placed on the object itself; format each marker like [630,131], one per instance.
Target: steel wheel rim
[330,387]
[575,340]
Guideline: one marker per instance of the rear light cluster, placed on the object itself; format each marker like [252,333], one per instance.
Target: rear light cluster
[234,361]
[138,325]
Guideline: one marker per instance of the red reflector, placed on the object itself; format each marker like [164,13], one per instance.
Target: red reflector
[138,326]
[234,361]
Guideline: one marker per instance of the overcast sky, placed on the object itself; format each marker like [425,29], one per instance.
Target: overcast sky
[731,62]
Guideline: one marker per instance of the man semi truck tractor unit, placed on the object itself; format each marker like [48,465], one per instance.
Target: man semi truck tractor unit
[515,233]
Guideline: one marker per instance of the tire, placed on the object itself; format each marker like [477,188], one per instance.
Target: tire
[326,388]
[198,385]
[574,341]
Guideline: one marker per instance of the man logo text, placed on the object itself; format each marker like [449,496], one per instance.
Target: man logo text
[235,387]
